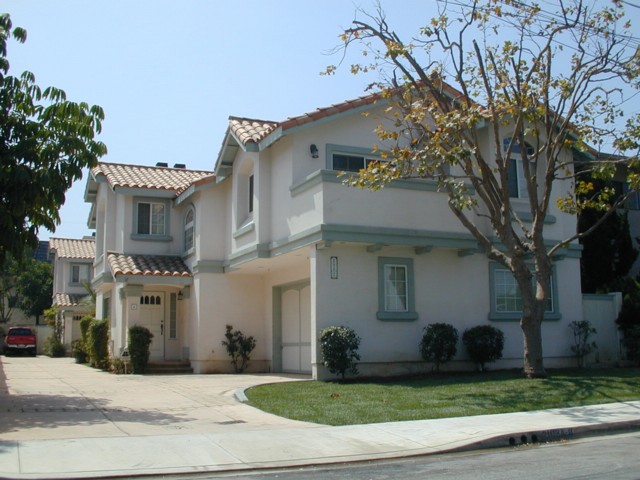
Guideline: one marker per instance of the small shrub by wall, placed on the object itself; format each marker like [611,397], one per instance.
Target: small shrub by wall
[339,347]
[138,346]
[239,348]
[484,344]
[54,347]
[439,344]
[79,351]
[582,331]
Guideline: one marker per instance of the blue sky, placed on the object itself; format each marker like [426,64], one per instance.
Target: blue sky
[168,74]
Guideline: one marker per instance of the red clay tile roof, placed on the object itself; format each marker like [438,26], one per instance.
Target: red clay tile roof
[147,265]
[67,300]
[73,248]
[248,130]
[156,178]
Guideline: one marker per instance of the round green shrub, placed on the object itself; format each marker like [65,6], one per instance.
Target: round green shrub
[79,351]
[484,344]
[339,346]
[439,344]
[54,347]
[138,346]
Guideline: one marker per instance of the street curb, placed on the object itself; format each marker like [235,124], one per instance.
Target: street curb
[240,396]
[548,436]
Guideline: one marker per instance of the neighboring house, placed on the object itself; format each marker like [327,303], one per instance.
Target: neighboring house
[17,316]
[275,245]
[72,274]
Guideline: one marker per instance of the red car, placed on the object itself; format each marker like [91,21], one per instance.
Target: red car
[21,339]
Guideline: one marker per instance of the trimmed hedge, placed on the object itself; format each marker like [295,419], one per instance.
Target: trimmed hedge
[138,346]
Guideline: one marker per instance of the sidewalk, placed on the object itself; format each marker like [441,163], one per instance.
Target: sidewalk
[221,434]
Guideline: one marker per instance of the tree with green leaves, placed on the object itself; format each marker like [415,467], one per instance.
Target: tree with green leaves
[45,142]
[494,100]
[34,287]
[8,297]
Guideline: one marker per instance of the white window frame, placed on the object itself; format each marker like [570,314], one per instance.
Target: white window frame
[80,268]
[189,237]
[153,234]
[388,293]
[353,152]
[499,313]
[515,159]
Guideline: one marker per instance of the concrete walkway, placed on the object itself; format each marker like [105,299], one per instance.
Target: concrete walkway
[61,420]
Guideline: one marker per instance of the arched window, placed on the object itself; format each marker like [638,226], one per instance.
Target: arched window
[189,229]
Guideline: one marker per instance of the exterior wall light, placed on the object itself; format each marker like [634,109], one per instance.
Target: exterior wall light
[314,150]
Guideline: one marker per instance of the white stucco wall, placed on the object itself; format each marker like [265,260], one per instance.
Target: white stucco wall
[218,300]
[448,288]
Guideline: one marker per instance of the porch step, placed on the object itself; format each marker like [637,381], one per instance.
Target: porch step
[169,367]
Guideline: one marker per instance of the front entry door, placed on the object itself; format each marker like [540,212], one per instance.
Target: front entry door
[152,317]
[296,328]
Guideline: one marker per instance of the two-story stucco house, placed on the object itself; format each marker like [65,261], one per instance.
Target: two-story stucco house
[72,269]
[274,244]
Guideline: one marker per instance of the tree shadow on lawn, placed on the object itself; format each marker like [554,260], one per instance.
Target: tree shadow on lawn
[496,392]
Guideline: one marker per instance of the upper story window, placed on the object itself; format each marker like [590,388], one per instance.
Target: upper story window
[79,274]
[245,196]
[515,171]
[349,159]
[350,163]
[250,199]
[151,218]
[189,229]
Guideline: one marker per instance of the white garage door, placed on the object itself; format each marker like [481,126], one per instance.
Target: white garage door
[296,329]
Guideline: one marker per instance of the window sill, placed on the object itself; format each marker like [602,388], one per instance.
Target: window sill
[397,316]
[244,229]
[188,253]
[151,238]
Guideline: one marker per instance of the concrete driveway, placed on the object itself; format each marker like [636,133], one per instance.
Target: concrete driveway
[46,398]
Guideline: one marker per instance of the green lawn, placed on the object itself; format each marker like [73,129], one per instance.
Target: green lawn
[440,396]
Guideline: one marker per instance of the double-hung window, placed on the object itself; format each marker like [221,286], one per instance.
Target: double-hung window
[506,297]
[396,289]
[151,218]
[79,274]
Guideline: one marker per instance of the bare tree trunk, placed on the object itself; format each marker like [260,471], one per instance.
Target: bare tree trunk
[533,357]
[533,307]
